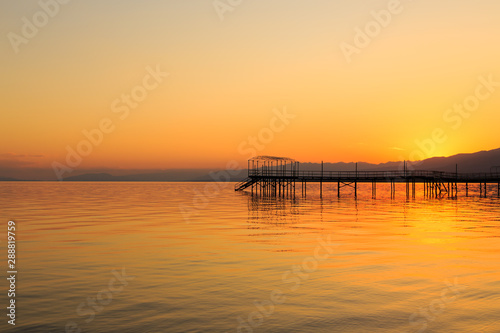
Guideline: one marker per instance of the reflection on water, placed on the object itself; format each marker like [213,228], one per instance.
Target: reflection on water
[246,263]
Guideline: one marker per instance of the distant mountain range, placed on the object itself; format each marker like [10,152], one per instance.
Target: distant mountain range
[194,175]
[9,179]
[483,161]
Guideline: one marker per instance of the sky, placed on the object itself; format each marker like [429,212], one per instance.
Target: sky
[162,84]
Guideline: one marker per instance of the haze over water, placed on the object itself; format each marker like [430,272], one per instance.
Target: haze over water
[423,265]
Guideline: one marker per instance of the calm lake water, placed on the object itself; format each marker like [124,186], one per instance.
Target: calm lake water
[163,257]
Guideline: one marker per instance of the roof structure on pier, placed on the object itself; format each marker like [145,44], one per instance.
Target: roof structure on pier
[272,158]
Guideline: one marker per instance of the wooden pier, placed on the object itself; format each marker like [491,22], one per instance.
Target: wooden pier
[279,177]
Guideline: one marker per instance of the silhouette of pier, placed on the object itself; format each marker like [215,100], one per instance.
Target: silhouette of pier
[279,177]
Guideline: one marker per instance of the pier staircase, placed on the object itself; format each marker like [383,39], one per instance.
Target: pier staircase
[244,184]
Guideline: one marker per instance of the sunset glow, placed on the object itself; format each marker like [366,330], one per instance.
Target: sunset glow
[225,78]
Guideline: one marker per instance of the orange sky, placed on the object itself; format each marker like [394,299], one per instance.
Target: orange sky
[228,78]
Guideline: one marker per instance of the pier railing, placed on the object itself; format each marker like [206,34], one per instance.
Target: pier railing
[376,175]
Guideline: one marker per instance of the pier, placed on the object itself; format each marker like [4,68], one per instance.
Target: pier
[282,177]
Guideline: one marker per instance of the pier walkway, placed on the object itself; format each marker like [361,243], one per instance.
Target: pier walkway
[278,176]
